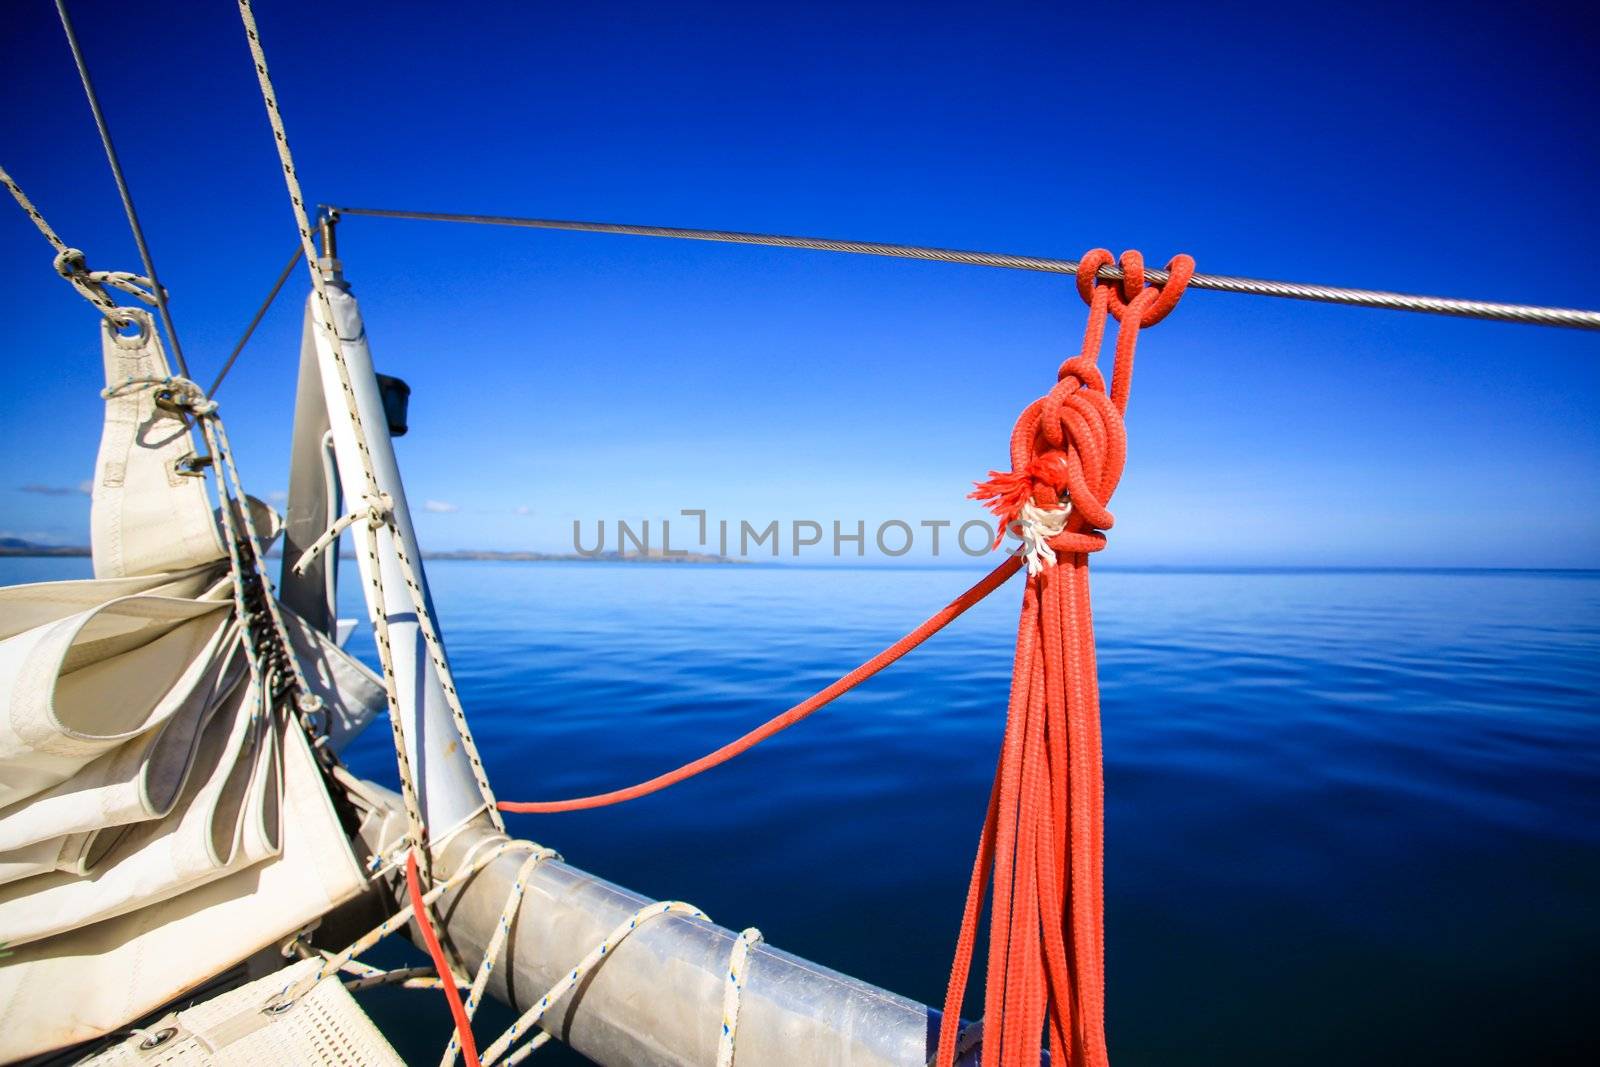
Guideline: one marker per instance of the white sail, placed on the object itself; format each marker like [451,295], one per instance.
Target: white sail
[160,818]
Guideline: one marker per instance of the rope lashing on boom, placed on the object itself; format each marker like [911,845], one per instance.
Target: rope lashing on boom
[1042,843]
[504,1049]
[733,992]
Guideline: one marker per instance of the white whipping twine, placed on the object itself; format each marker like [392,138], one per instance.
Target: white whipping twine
[1035,526]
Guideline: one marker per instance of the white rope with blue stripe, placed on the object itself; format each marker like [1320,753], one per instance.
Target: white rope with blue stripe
[535,1014]
[423,978]
[733,992]
[401,917]
[497,941]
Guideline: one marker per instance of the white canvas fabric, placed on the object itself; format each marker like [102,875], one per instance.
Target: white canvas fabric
[29,860]
[24,607]
[138,780]
[147,515]
[350,692]
[226,819]
[75,689]
[124,967]
[158,823]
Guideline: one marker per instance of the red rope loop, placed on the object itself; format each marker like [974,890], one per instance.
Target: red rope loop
[1070,444]
[1042,842]
[1122,294]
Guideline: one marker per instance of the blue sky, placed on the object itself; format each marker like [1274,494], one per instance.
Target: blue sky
[563,376]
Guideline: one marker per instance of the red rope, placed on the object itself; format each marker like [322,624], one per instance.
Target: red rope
[1042,840]
[1042,845]
[938,621]
[419,908]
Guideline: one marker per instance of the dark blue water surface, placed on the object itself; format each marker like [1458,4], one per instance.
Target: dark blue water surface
[1352,816]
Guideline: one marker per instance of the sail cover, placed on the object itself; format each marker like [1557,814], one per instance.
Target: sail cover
[160,820]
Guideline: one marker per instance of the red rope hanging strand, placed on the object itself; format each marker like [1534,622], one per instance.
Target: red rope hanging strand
[778,723]
[441,963]
[1042,845]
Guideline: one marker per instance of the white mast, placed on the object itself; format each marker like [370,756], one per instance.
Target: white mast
[446,788]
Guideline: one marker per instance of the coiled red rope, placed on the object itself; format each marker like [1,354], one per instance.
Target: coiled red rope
[1042,845]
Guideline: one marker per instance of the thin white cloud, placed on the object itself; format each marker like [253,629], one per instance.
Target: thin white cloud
[439,507]
[57,490]
[523,509]
[278,496]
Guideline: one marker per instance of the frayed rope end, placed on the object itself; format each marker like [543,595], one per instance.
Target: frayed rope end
[1004,493]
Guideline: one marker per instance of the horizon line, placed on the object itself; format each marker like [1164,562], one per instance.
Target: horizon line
[41,551]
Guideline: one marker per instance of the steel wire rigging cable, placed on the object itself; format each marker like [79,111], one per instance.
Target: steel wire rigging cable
[261,312]
[122,188]
[1531,314]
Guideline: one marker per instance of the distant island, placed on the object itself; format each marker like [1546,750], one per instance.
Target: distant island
[653,556]
[16,546]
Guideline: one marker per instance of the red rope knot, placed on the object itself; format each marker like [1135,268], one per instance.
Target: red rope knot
[1042,846]
[1069,446]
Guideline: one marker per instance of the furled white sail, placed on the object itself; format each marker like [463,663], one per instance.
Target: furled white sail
[139,779]
[160,818]
[78,688]
[122,968]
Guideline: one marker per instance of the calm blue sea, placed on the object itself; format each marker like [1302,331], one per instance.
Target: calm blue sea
[1352,816]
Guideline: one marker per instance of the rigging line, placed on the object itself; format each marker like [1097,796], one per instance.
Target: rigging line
[122,188]
[32,212]
[288,269]
[1574,318]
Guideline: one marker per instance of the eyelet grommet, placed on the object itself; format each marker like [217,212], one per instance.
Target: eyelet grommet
[120,320]
[159,1038]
